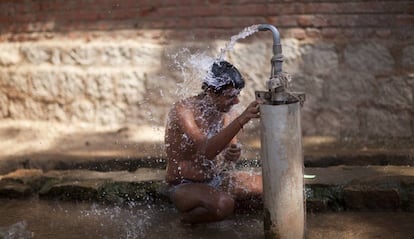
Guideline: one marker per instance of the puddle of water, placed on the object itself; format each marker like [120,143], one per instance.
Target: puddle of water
[50,219]
[61,220]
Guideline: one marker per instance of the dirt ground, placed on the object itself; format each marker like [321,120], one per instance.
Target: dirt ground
[33,137]
[47,143]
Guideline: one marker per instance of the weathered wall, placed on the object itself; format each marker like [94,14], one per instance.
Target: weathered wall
[115,62]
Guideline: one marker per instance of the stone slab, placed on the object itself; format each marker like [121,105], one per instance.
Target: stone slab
[333,188]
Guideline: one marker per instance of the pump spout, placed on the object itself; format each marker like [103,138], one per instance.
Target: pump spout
[277,59]
[278,82]
[277,47]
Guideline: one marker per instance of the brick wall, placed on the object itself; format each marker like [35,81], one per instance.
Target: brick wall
[114,62]
[301,19]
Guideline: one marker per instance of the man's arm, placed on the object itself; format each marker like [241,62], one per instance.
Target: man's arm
[211,147]
[218,142]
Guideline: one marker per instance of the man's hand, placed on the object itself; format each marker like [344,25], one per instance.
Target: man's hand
[233,152]
[252,111]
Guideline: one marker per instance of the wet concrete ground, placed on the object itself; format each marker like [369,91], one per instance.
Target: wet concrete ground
[336,188]
[66,220]
[363,188]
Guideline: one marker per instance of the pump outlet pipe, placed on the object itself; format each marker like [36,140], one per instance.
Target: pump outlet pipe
[277,58]
[281,153]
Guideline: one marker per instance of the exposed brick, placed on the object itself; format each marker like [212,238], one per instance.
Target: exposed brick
[313,32]
[274,9]
[186,11]
[7,7]
[5,20]
[410,8]
[185,2]
[304,21]
[147,11]
[225,22]
[283,21]
[353,7]
[126,14]
[245,10]
[87,5]
[311,21]
[330,32]
[383,33]
[48,6]
[404,20]
[127,4]
[298,33]
[312,8]
[22,7]
[358,32]
[84,15]
[23,18]
[76,15]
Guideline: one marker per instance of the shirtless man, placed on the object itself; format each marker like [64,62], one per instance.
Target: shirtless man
[199,128]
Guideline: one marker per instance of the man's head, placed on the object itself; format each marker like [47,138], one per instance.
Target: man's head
[224,83]
[223,75]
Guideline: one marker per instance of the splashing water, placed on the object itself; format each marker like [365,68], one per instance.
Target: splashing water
[16,231]
[192,68]
[229,47]
[195,67]
[46,219]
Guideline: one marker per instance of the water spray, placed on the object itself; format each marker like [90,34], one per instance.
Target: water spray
[281,151]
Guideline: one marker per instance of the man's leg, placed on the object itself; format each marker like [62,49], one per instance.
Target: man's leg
[241,184]
[200,203]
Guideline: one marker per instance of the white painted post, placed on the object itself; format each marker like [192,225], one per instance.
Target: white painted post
[282,166]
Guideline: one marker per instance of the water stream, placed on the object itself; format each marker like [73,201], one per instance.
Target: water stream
[230,45]
[193,67]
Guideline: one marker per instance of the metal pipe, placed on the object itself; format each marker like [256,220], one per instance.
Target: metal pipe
[282,171]
[277,59]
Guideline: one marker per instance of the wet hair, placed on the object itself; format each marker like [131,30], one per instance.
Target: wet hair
[221,75]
